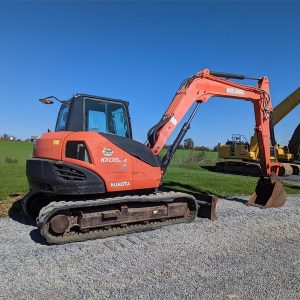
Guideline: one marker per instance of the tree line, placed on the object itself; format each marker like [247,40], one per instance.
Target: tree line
[189,144]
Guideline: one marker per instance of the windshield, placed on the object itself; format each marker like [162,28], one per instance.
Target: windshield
[103,116]
[62,118]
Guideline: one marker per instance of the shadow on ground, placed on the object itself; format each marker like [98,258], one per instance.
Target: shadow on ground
[16,213]
[180,187]
[238,172]
[172,185]
[208,168]
[37,238]
[235,199]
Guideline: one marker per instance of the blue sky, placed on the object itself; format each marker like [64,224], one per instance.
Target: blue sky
[140,52]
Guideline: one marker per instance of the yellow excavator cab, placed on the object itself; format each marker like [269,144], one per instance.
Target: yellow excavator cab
[283,154]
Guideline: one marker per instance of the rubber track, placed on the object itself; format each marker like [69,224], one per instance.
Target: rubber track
[48,211]
[239,167]
[249,168]
[25,203]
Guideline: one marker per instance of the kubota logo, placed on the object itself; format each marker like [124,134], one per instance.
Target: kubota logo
[107,152]
[120,184]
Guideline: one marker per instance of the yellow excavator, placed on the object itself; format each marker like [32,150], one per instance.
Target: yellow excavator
[294,145]
[238,156]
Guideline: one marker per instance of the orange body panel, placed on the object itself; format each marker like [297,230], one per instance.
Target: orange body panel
[119,170]
[49,145]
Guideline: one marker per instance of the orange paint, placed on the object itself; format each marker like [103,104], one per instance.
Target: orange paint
[119,170]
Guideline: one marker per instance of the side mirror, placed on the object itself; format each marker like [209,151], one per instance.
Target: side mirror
[46,101]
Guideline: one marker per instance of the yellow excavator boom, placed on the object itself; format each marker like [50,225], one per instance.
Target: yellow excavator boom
[286,106]
[280,111]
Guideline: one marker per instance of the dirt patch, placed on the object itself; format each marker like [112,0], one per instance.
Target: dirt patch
[11,205]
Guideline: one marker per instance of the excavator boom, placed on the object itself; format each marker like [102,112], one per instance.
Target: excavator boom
[286,106]
[200,88]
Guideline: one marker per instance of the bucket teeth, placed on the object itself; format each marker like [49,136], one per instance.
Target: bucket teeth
[269,192]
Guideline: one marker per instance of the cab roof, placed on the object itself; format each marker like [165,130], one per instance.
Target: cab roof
[77,95]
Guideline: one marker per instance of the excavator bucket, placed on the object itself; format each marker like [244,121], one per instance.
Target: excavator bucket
[269,192]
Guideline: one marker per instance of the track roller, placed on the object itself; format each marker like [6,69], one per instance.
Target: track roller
[75,221]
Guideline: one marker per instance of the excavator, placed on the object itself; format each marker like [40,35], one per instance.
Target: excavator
[241,157]
[294,145]
[89,179]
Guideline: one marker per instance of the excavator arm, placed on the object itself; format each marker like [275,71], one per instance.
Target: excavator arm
[279,112]
[200,88]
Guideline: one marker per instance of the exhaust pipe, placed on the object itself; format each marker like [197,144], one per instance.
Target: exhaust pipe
[269,193]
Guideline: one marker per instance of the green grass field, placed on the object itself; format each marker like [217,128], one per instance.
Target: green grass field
[190,170]
[12,175]
[202,180]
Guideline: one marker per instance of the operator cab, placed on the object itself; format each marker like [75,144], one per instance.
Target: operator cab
[106,116]
[92,113]
[238,139]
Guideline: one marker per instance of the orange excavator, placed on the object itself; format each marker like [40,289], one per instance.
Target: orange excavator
[89,179]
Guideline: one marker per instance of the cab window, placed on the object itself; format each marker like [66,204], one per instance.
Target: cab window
[108,117]
[62,118]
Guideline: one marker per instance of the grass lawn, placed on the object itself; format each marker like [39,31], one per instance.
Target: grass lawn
[203,180]
[12,175]
[191,156]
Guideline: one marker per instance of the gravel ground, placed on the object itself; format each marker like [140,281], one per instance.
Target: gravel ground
[249,253]
[293,179]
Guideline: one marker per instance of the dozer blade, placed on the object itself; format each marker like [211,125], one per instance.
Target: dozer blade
[207,204]
[269,192]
